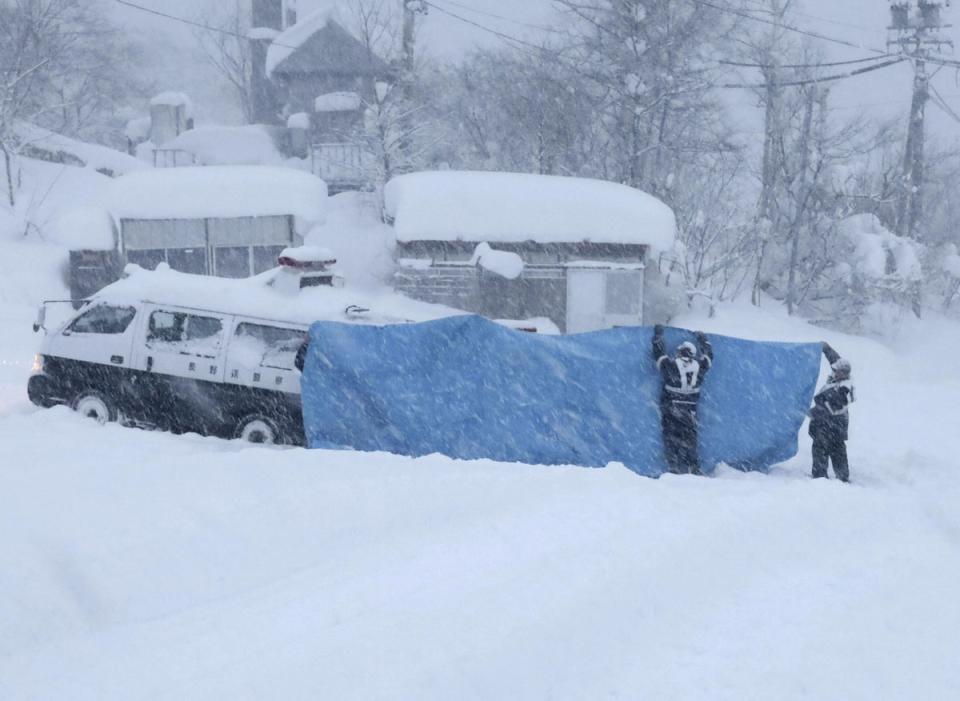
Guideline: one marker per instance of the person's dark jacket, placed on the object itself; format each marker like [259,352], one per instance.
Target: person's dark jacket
[682,379]
[830,417]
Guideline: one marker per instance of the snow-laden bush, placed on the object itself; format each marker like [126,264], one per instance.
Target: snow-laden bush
[876,277]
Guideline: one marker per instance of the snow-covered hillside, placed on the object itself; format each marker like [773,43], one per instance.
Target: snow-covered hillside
[146,565]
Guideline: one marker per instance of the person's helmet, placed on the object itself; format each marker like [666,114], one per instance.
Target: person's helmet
[841,369]
[686,350]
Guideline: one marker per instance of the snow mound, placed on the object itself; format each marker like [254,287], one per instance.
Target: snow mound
[86,228]
[296,36]
[363,243]
[217,145]
[218,191]
[515,207]
[502,263]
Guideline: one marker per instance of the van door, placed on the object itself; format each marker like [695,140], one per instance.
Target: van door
[262,354]
[183,343]
[180,354]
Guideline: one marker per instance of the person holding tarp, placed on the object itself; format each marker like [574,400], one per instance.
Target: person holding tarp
[830,418]
[682,377]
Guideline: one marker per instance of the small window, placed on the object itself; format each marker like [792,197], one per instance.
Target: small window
[103,318]
[267,346]
[188,334]
[624,290]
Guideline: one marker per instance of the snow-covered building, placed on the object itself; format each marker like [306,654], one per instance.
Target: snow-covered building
[319,69]
[226,221]
[515,246]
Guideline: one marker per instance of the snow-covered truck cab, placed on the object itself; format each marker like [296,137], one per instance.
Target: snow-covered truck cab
[176,368]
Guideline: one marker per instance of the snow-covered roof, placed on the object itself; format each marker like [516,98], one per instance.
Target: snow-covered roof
[514,207]
[102,158]
[297,35]
[85,228]
[217,145]
[258,297]
[218,192]
[337,102]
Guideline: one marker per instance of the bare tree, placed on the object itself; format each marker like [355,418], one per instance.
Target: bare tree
[62,66]
[228,49]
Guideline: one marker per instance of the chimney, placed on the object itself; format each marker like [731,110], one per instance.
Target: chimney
[266,14]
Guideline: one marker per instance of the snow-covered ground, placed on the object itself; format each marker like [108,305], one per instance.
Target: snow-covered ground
[140,565]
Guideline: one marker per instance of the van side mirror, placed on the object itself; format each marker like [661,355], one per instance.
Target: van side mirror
[41,319]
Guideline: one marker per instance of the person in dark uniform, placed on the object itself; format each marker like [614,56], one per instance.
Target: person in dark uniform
[682,377]
[830,419]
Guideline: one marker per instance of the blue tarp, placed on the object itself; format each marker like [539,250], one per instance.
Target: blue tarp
[469,388]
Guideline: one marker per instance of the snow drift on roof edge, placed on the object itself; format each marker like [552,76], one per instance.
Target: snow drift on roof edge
[514,207]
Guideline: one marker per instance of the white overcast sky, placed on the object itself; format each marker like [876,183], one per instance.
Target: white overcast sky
[861,22]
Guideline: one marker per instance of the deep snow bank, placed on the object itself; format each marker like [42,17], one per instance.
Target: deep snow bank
[143,565]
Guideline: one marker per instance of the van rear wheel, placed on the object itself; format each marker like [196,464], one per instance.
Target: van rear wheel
[96,406]
[258,429]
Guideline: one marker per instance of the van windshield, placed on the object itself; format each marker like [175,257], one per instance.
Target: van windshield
[103,318]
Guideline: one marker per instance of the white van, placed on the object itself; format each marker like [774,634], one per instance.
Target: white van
[176,368]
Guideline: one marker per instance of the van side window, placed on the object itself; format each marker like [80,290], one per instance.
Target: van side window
[187,334]
[266,346]
[103,318]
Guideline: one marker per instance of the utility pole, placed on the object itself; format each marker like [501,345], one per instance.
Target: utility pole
[411,8]
[916,30]
[770,175]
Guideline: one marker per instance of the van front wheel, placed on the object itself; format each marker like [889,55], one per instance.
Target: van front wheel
[258,429]
[94,405]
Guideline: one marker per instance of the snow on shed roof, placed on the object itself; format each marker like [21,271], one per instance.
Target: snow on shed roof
[515,207]
[256,297]
[86,228]
[218,192]
[251,144]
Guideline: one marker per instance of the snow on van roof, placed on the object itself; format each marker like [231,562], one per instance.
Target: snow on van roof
[515,207]
[260,298]
[218,192]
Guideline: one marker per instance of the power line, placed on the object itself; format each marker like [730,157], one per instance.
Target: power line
[824,79]
[192,23]
[763,8]
[492,15]
[484,27]
[787,27]
[808,65]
